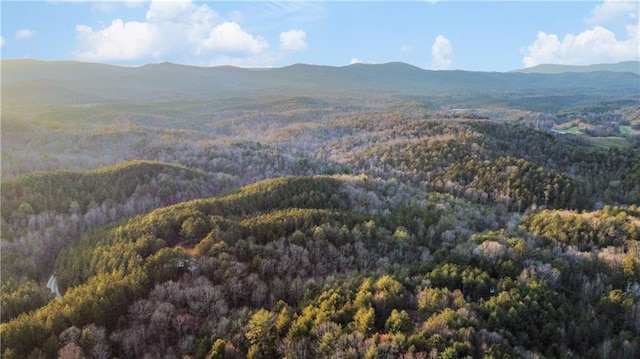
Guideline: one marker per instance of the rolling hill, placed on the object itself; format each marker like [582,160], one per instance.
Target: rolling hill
[627,66]
[55,82]
[364,211]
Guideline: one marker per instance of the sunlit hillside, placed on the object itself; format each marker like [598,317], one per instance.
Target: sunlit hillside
[365,211]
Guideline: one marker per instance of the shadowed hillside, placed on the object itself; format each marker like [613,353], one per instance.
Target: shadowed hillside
[66,82]
[627,66]
[364,211]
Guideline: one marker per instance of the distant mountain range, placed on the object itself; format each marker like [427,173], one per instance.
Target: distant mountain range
[627,66]
[73,83]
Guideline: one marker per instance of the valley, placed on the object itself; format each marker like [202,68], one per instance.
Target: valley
[364,211]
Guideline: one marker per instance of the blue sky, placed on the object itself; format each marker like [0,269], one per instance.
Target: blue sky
[467,35]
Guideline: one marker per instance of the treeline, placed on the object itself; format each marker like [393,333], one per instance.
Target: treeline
[511,165]
[76,192]
[300,136]
[601,118]
[83,137]
[107,252]
[188,223]
[303,267]
[611,226]
[44,212]
[459,237]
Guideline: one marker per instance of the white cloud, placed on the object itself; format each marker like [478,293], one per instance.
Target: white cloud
[1,42]
[230,38]
[111,6]
[613,9]
[174,30]
[119,41]
[597,45]
[441,52]
[134,3]
[293,40]
[25,34]
[406,48]
[355,60]
[170,27]
[175,11]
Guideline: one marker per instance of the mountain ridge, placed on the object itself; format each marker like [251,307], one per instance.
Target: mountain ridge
[80,82]
[318,211]
[625,66]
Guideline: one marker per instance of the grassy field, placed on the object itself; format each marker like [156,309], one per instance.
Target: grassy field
[571,130]
[612,141]
[628,131]
[621,141]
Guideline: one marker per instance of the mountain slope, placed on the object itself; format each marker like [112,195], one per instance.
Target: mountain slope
[311,211]
[56,191]
[627,66]
[327,277]
[87,83]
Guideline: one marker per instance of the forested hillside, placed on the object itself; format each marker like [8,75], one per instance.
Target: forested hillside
[626,66]
[354,212]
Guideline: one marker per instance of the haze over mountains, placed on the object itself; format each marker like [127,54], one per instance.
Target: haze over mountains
[76,82]
[364,211]
[626,66]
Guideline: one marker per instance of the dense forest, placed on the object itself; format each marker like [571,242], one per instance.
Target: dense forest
[500,220]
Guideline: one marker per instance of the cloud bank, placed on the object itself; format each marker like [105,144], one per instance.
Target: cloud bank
[612,9]
[597,44]
[179,30]
[118,41]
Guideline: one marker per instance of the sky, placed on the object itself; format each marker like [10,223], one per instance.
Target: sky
[438,35]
